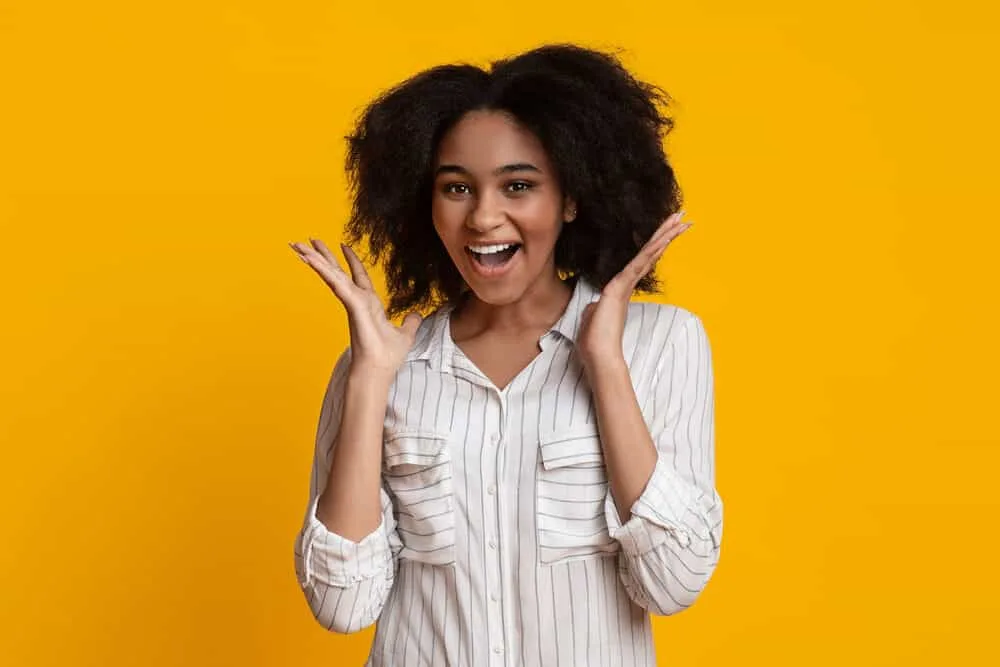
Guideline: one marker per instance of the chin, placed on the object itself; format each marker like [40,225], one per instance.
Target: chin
[497,295]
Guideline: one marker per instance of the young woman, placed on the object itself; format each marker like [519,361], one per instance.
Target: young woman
[524,475]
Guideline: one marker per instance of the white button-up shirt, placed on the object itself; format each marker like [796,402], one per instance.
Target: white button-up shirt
[500,543]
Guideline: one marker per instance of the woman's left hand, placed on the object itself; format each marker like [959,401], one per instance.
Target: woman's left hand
[603,322]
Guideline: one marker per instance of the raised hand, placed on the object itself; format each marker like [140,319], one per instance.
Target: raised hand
[603,322]
[378,347]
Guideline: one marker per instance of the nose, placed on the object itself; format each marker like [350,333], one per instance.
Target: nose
[486,215]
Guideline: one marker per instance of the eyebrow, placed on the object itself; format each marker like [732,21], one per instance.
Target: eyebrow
[507,168]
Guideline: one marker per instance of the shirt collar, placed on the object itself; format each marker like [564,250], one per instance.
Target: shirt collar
[431,338]
[435,345]
[568,325]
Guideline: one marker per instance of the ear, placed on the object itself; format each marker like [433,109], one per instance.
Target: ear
[569,210]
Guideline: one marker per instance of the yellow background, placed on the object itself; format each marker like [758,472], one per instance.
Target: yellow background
[164,353]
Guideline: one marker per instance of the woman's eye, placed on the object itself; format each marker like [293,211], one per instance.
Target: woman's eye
[456,189]
[519,186]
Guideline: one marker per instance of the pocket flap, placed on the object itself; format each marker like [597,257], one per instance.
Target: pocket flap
[414,447]
[575,445]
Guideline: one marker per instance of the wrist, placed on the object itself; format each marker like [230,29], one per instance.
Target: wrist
[603,360]
[606,370]
[369,378]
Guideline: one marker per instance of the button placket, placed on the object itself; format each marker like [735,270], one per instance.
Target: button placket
[495,556]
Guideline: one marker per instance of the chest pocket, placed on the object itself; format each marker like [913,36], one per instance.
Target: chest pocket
[571,487]
[417,471]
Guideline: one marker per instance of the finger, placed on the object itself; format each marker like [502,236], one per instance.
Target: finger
[323,250]
[411,323]
[332,274]
[625,282]
[358,270]
[309,253]
[629,277]
[666,226]
[641,263]
[322,257]
[651,264]
[298,253]
[656,252]
[663,236]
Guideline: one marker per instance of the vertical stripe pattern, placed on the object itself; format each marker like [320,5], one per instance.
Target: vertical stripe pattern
[500,543]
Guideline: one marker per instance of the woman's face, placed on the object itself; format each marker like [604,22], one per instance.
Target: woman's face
[497,206]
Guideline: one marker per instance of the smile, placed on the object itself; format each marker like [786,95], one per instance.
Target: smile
[492,260]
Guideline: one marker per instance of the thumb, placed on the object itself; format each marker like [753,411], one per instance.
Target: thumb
[410,324]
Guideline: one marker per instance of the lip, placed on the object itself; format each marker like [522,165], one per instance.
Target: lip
[480,244]
[491,271]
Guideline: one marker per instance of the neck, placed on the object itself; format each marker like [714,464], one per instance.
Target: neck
[539,308]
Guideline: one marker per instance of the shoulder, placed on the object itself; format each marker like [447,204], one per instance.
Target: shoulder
[661,324]
[429,334]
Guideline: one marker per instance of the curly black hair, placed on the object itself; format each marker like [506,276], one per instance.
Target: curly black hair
[602,128]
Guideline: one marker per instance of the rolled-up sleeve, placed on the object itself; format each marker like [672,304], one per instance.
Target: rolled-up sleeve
[671,541]
[346,583]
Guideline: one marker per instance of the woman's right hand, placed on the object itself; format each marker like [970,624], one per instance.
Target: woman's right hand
[378,347]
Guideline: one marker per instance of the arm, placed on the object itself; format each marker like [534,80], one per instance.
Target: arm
[345,553]
[662,506]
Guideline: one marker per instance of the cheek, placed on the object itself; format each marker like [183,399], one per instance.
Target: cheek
[440,217]
[447,218]
[541,221]
[446,214]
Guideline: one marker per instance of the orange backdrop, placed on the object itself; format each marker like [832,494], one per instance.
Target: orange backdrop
[164,353]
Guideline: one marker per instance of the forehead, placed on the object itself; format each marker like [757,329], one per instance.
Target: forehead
[486,140]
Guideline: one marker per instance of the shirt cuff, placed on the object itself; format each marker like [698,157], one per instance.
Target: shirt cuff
[337,561]
[655,515]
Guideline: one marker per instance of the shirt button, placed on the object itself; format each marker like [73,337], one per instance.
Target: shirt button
[491,489]
[498,649]
[493,596]
[494,438]
[493,544]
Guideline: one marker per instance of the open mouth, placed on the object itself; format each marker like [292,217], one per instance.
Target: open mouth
[493,257]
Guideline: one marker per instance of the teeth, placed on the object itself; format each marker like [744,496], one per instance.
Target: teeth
[490,249]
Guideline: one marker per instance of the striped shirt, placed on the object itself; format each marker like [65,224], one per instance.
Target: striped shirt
[500,543]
